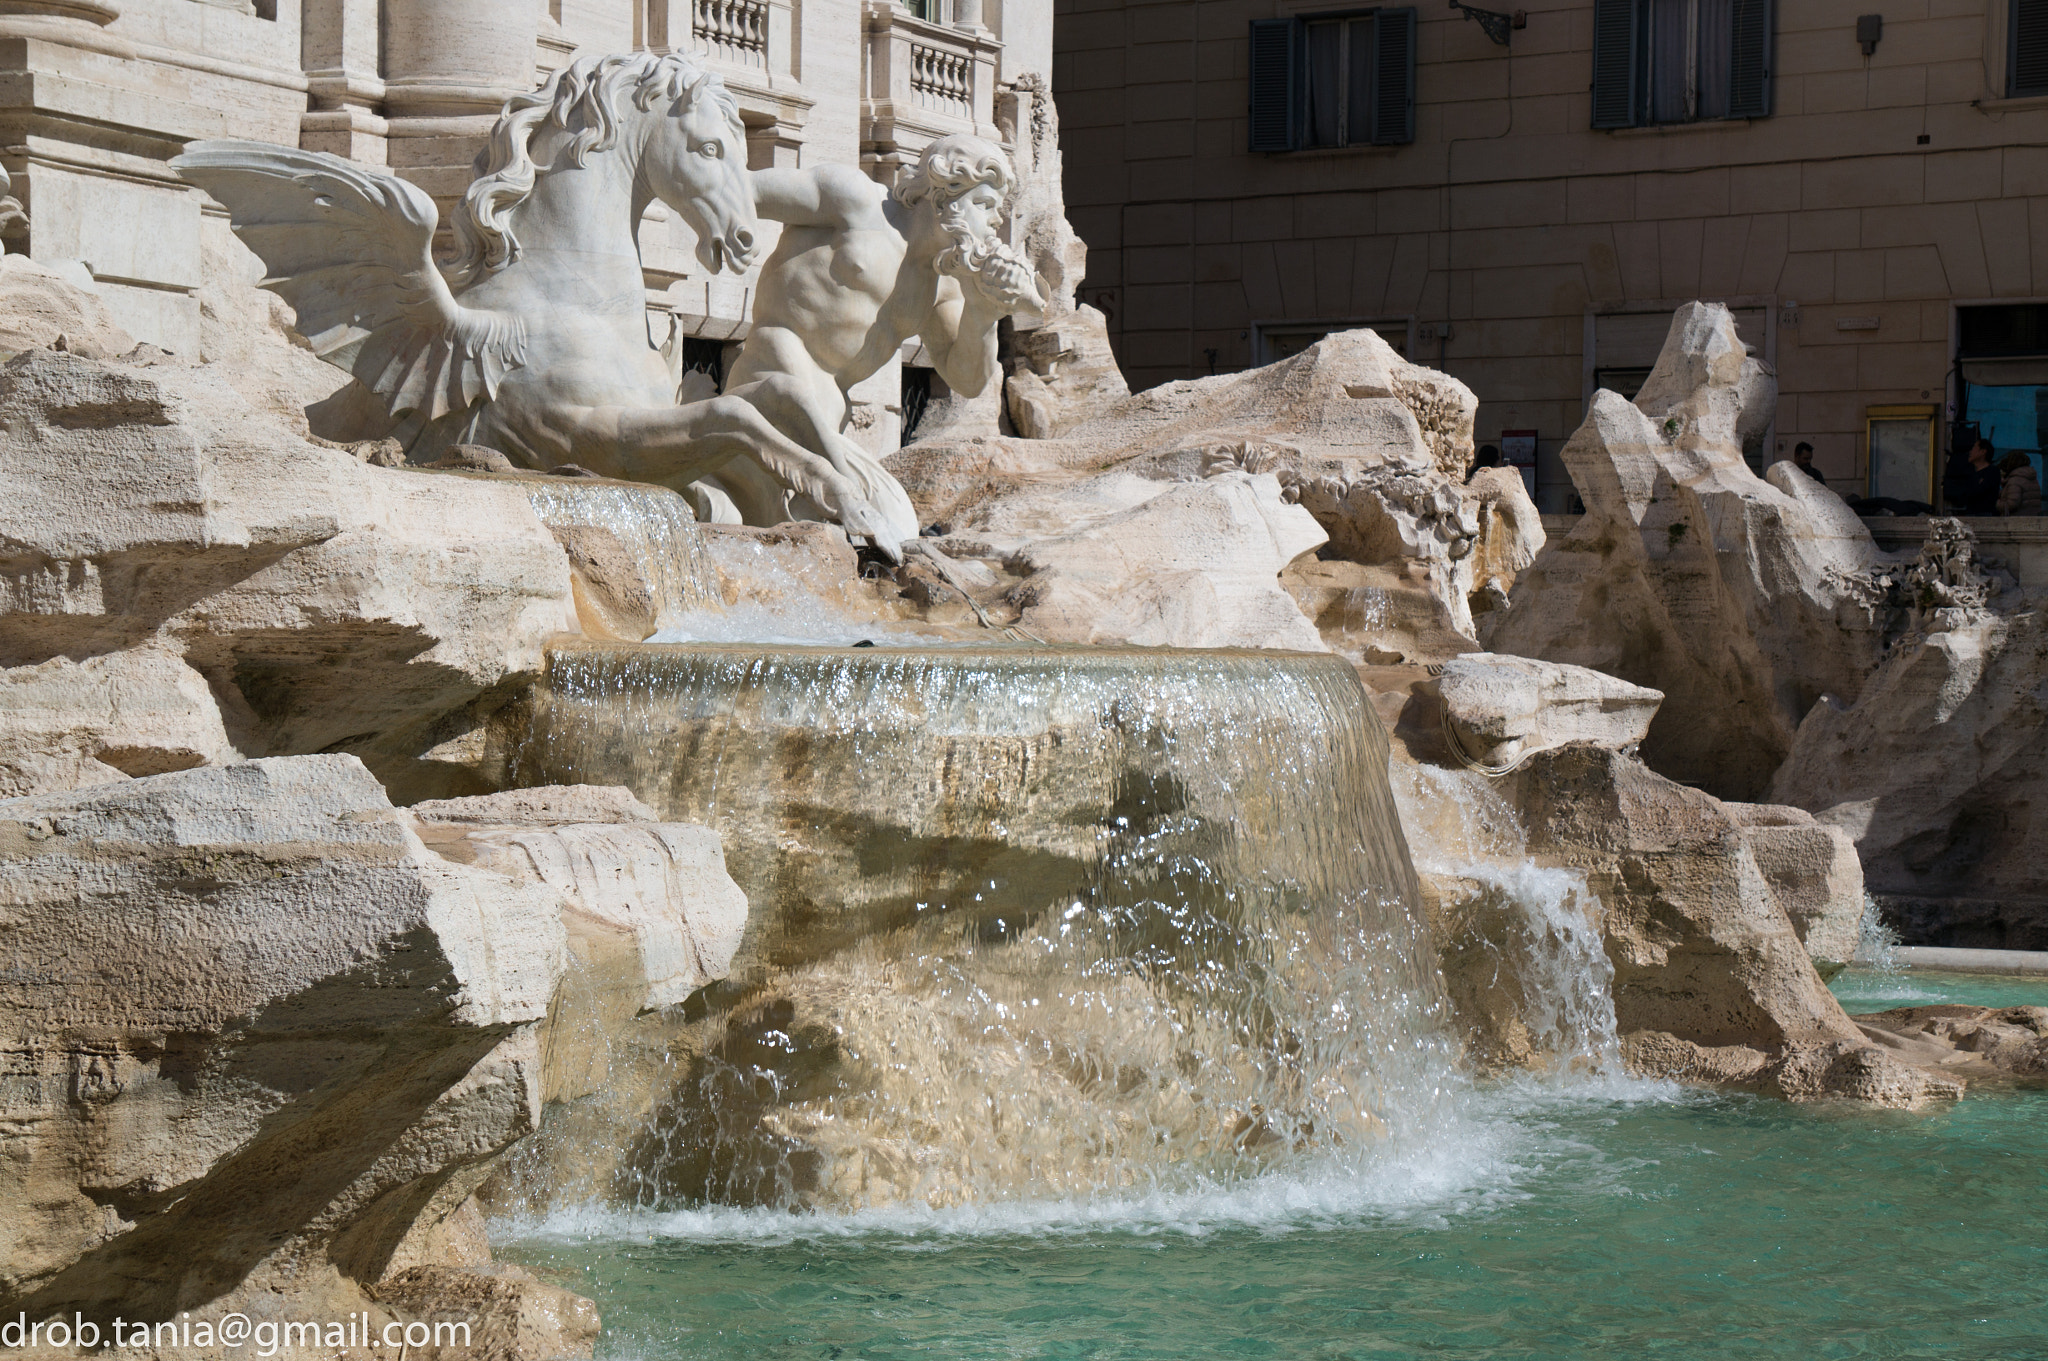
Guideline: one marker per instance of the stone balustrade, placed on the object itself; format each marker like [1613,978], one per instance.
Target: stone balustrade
[924,81]
[942,79]
[731,31]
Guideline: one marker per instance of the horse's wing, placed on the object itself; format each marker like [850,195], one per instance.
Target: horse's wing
[352,252]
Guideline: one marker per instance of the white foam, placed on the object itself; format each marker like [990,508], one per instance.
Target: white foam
[1476,1164]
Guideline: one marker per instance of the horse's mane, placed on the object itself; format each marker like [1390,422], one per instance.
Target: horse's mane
[581,97]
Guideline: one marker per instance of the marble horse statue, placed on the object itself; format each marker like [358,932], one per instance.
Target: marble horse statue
[533,340]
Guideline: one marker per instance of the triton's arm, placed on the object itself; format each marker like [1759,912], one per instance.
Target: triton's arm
[960,336]
[824,196]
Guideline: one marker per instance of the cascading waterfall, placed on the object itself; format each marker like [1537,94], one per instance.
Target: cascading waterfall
[656,528]
[1546,928]
[658,531]
[1026,922]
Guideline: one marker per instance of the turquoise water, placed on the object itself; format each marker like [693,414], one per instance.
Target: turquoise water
[1865,990]
[1624,1221]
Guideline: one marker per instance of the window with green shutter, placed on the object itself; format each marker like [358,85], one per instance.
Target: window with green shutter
[1681,61]
[1333,80]
[2026,56]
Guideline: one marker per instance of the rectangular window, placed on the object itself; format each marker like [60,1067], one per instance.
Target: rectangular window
[1333,81]
[2026,42]
[2002,387]
[1681,61]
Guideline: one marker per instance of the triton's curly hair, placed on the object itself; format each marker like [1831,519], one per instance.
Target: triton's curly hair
[953,165]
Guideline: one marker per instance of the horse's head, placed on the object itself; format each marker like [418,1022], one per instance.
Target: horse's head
[681,124]
[696,162]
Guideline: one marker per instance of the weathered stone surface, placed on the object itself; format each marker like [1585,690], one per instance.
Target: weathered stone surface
[1374,448]
[254,1034]
[1689,574]
[545,805]
[1935,771]
[1697,935]
[662,884]
[43,304]
[1504,708]
[329,604]
[1702,946]
[1998,1044]
[1835,1070]
[614,599]
[1858,1071]
[1510,535]
[512,1315]
[1197,565]
[66,725]
[1521,954]
[1814,872]
[1655,1053]
[1583,895]
[249,338]
[1064,376]
[1376,616]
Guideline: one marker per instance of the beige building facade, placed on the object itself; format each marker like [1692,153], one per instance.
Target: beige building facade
[97,95]
[1858,200]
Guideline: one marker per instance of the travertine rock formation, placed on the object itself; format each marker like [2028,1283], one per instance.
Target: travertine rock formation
[265,1042]
[1742,601]
[328,604]
[1189,565]
[1838,1069]
[1935,768]
[1502,709]
[1980,1044]
[1583,869]
[1374,448]
[42,304]
[141,711]
[1064,375]
[262,1042]
[1376,616]
[250,338]
[658,890]
[1702,946]
[1814,872]
[1510,535]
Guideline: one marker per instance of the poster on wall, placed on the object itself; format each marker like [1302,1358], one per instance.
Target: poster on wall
[1518,451]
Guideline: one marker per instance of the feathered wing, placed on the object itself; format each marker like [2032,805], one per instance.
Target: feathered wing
[352,252]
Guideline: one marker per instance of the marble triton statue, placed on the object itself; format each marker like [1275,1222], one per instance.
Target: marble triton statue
[860,270]
[533,340]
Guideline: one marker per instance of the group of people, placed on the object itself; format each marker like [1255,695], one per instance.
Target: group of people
[1978,482]
[1982,483]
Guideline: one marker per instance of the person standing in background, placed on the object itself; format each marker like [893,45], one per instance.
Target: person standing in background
[1976,487]
[2019,486]
[1802,459]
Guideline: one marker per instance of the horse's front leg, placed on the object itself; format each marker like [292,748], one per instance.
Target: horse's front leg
[721,437]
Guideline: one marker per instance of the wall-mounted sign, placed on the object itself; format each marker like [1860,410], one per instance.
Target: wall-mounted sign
[1518,450]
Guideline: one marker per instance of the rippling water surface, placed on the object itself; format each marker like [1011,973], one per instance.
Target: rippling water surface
[1621,1221]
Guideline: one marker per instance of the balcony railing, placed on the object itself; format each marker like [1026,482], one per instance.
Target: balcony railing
[942,80]
[923,81]
[731,31]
